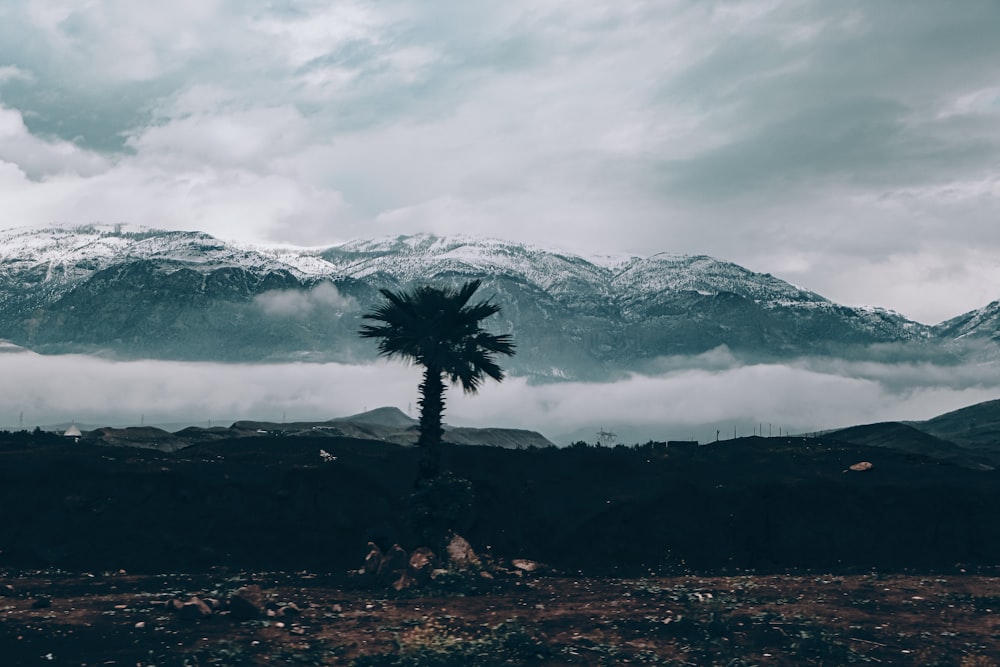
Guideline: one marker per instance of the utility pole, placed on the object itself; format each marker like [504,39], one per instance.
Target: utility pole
[606,438]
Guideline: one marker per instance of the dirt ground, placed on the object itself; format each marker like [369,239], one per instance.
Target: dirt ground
[114,618]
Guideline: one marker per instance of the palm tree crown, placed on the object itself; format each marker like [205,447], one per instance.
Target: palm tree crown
[440,330]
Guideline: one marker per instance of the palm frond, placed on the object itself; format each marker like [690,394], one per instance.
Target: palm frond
[440,328]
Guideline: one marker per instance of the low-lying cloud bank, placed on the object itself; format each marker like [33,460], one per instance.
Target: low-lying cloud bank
[298,303]
[693,397]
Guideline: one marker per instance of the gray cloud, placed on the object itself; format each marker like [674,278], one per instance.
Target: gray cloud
[301,303]
[38,159]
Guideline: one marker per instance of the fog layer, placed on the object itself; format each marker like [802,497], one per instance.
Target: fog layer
[698,397]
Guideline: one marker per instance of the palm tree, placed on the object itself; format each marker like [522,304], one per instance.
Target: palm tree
[440,330]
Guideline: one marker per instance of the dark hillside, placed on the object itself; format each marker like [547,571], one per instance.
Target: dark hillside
[909,439]
[293,503]
[976,426]
[751,503]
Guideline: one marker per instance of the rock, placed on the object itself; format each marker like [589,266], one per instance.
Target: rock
[173,605]
[393,563]
[7,591]
[422,563]
[422,558]
[247,603]
[194,609]
[862,466]
[291,608]
[405,581]
[525,565]
[460,553]
[372,560]
[41,603]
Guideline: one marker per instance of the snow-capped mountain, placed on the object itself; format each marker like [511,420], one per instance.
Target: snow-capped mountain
[132,291]
[631,307]
[68,253]
[976,332]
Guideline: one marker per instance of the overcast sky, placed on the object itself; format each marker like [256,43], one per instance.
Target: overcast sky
[850,147]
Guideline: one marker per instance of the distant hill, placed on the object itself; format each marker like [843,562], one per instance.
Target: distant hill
[388,417]
[386,424]
[976,426]
[905,438]
[969,436]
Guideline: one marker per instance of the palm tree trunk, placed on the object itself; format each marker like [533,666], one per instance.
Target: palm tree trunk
[431,409]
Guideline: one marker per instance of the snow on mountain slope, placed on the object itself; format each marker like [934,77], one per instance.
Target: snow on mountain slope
[410,258]
[981,323]
[69,253]
[190,295]
[706,275]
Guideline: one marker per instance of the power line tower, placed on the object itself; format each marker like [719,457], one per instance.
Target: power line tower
[606,438]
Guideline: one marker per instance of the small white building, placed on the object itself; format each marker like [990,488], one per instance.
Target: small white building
[73,432]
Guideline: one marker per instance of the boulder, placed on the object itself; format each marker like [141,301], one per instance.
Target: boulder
[422,563]
[373,560]
[247,603]
[291,608]
[393,563]
[530,566]
[460,552]
[404,581]
[194,609]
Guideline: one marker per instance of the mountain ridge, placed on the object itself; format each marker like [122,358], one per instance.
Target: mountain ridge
[138,292]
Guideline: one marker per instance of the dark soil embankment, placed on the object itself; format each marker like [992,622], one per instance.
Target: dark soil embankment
[275,503]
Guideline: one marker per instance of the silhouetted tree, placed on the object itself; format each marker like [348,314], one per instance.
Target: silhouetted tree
[440,330]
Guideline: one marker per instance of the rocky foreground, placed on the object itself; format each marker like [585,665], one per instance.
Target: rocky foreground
[304,618]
